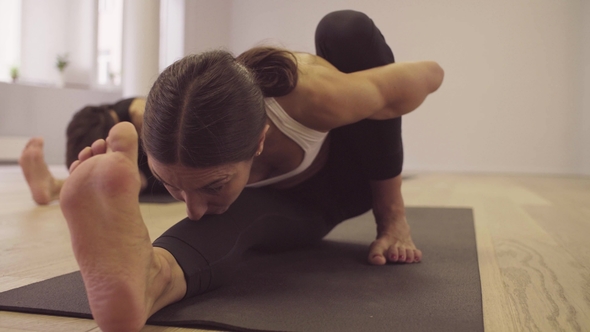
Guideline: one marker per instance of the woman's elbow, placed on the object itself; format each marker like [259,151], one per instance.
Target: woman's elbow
[437,75]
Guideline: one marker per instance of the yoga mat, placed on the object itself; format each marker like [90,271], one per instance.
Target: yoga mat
[329,287]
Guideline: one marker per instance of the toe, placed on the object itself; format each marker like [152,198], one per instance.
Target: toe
[123,138]
[376,252]
[85,154]
[393,254]
[30,142]
[402,255]
[377,259]
[417,255]
[99,147]
[35,141]
[409,255]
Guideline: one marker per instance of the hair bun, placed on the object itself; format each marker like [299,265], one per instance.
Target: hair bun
[275,69]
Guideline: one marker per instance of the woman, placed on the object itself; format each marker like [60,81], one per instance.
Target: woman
[87,125]
[292,126]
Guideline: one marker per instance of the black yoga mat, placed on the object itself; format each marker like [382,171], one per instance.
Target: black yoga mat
[329,287]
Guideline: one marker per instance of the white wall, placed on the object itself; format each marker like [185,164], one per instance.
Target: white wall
[171,31]
[10,29]
[207,25]
[43,38]
[57,27]
[141,46]
[511,97]
[81,42]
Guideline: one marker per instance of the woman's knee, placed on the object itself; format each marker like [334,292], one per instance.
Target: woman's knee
[343,26]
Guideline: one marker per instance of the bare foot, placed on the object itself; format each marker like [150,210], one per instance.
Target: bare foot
[127,280]
[44,187]
[394,244]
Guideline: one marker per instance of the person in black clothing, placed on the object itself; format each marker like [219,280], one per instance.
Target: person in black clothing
[87,125]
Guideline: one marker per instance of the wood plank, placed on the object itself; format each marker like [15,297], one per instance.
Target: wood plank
[14,321]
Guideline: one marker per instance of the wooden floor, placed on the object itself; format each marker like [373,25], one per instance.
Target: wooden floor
[533,239]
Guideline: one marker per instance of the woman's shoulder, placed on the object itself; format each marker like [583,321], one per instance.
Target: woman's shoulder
[315,74]
[138,103]
[308,102]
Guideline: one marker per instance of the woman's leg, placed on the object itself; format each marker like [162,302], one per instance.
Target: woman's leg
[126,279]
[209,250]
[351,42]
[44,187]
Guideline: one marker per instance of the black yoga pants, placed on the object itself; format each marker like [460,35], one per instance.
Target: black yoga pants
[266,219]
[351,42]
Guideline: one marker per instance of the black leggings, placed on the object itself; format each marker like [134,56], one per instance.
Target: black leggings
[209,250]
[351,42]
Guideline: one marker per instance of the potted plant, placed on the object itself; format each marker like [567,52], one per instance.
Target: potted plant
[61,64]
[14,73]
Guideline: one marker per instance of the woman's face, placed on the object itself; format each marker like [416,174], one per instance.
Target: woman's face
[208,190]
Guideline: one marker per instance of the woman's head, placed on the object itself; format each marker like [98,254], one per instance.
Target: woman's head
[204,110]
[208,109]
[87,125]
[204,121]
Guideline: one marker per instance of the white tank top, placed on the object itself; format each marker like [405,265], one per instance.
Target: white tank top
[309,140]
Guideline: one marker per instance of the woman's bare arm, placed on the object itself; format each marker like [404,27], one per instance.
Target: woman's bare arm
[328,98]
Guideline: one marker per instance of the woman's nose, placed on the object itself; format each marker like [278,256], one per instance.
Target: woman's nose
[195,208]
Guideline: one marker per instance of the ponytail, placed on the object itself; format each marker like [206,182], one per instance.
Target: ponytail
[275,69]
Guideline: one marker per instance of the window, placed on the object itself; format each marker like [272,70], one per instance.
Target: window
[171,31]
[10,20]
[109,48]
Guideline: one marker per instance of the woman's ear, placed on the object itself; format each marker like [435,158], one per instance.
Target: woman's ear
[261,140]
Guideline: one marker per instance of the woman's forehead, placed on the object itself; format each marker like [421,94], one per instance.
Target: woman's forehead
[177,172]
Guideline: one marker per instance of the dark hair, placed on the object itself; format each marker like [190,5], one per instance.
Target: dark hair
[275,69]
[87,125]
[208,109]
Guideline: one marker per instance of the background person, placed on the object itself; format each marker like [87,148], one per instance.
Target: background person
[87,125]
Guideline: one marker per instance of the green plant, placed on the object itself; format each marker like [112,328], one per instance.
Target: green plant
[62,62]
[14,73]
